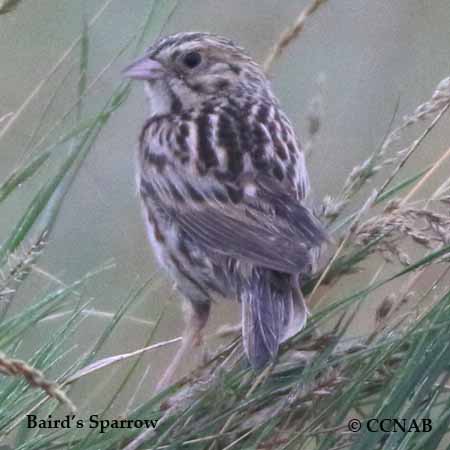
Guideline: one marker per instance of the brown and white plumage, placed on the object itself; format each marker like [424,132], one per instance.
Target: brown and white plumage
[222,181]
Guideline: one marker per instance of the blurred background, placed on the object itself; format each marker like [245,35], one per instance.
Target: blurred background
[362,63]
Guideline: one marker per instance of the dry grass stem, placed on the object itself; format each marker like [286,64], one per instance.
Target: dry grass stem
[108,361]
[406,153]
[438,101]
[435,107]
[314,116]
[18,368]
[353,227]
[5,117]
[427,176]
[291,33]
[426,228]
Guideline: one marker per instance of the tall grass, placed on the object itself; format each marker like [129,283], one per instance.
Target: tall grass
[389,233]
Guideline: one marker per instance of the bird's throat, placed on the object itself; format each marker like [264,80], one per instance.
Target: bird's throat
[160,97]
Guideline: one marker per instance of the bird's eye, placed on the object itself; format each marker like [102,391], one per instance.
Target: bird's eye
[192,59]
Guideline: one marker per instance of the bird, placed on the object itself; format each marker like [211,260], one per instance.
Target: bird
[223,186]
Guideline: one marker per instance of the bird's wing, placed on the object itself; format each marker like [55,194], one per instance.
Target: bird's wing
[273,231]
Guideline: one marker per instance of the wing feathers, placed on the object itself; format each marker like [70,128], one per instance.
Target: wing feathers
[244,241]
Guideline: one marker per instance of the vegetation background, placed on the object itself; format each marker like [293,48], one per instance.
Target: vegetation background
[78,284]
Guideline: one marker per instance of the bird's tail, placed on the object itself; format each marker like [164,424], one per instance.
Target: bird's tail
[273,309]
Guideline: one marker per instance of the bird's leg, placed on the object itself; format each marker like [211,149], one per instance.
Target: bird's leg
[196,316]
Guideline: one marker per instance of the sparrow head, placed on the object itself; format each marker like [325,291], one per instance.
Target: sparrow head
[186,69]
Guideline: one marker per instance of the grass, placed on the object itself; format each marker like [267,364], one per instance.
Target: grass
[390,235]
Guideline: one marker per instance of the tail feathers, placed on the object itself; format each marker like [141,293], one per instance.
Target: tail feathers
[273,309]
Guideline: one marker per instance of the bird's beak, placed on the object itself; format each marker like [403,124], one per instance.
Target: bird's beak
[144,69]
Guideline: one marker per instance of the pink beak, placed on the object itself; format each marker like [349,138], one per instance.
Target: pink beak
[144,69]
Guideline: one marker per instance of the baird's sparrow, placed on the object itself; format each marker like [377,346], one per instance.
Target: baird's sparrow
[223,181]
